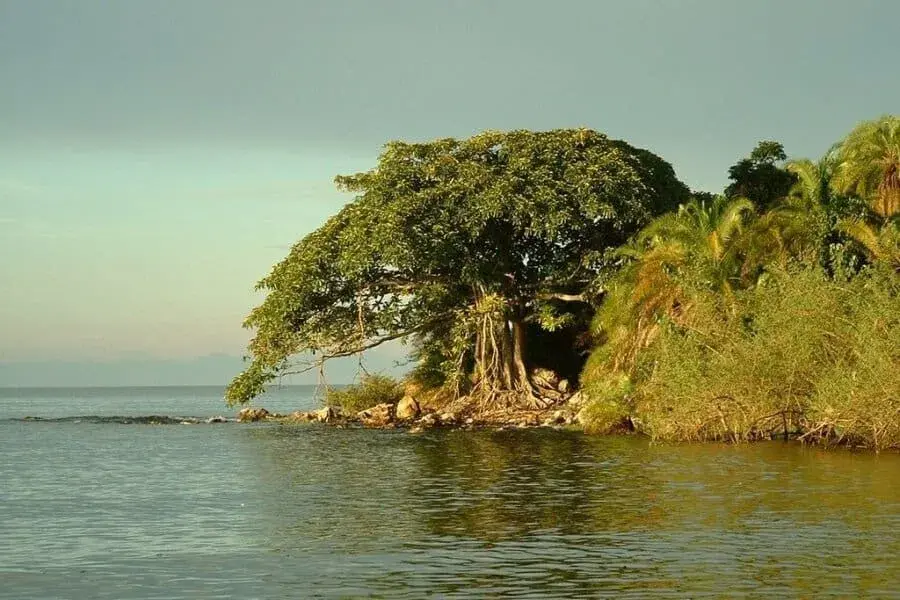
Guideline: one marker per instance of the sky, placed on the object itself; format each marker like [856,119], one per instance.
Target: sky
[157,157]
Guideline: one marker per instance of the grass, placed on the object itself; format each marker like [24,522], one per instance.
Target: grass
[371,390]
[800,356]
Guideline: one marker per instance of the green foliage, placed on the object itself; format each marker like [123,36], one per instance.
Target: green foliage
[436,226]
[868,165]
[737,325]
[759,177]
[697,250]
[609,407]
[803,354]
[371,390]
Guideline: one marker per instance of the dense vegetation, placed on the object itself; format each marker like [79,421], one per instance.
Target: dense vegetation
[772,309]
[731,322]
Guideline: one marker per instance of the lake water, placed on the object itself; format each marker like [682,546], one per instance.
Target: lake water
[99,507]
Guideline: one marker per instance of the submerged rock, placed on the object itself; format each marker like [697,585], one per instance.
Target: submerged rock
[217,419]
[407,408]
[380,415]
[250,415]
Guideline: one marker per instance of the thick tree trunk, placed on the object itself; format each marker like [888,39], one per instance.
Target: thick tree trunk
[518,353]
[502,376]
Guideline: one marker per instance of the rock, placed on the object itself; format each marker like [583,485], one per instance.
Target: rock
[249,414]
[577,399]
[407,408]
[217,419]
[563,386]
[380,415]
[326,414]
[448,418]
[470,421]
[545,378]
[429,420]
[416,429]
[300,416]
[559,417]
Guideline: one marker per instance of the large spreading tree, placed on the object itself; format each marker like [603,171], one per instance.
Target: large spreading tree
[457,245]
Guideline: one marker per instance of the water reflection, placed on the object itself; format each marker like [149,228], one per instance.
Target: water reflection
[504,485]
[543,513]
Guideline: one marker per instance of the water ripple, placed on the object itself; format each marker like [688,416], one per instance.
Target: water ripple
[94,510]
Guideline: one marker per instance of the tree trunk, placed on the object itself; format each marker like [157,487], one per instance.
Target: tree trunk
[502,377]
[518,354]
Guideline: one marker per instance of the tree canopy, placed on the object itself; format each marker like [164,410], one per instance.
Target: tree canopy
[759,177]
[462,241]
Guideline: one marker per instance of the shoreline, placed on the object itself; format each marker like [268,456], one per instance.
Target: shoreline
[564,417]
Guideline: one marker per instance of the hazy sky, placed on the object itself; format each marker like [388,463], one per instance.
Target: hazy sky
[157,157]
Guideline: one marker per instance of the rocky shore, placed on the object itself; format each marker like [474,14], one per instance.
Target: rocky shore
[564,408]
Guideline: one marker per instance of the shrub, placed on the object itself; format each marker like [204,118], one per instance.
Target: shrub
[608,408]
[803,355]
[797,355]
[371,390]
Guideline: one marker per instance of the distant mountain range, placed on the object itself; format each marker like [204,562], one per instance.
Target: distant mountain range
[216,369]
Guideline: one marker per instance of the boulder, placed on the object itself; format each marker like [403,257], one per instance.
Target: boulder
[447,418]
[563,386]
[217,419]
[380,415]
[407,408]
[250,414]
[326,414]
[545,378]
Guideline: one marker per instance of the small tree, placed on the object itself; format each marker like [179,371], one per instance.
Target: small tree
[459,244]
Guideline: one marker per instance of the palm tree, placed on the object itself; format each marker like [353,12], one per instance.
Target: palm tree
[708,233]
[812,187]
[674,260]
[795,227]
[869,165]
[881,243]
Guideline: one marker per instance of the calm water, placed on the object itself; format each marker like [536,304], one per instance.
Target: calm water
[97,508]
